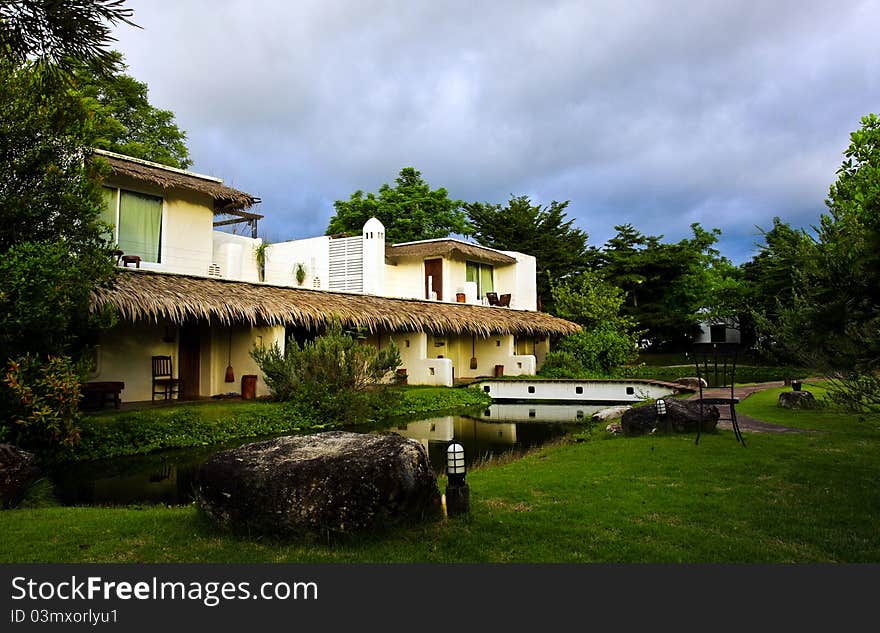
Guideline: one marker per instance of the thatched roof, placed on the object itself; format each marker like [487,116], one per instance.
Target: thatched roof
[446,248]
[226,199]
[146,295]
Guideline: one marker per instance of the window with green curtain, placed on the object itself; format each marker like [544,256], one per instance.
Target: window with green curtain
[108,211]
[140,225]
[482,275]
[486,281]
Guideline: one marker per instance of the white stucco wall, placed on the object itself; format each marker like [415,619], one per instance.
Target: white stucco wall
[406,279]
[235,254]
[566,390]
[519,280]
[313,253]
[242,340]
[421,367]
[124,354]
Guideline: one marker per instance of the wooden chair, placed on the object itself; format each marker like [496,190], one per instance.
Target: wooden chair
[716,364]
[164,382]
[504,301]
[492,298]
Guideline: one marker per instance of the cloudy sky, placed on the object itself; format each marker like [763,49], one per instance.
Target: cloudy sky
[658,113]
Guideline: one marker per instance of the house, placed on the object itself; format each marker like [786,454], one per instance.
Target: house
[205,297]
[719,331]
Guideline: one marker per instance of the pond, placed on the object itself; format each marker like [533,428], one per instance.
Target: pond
[169,477]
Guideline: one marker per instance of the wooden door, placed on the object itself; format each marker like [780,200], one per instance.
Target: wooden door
[188,366]
[434,278]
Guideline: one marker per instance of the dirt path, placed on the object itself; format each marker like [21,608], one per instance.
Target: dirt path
[745,422]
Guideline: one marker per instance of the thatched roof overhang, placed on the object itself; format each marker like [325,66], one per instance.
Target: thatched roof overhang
[226,199]
[447,248]
[146,295]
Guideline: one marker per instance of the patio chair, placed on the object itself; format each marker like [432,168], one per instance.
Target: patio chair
[164,382]
[504,301]
[492,298]
[716,364]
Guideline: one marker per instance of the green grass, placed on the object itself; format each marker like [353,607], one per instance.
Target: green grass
[785,498]
[114,433]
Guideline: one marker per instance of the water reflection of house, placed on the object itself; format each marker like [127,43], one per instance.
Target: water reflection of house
[205,298]
[543,412]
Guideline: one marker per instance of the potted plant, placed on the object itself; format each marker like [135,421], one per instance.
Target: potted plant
[260,257]
[300,273]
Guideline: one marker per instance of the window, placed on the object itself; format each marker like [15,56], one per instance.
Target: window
[718,333]
[482,274]
[136,219]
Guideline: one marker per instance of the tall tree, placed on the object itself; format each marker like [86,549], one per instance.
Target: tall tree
[52,249]
[833,320]
[60,35]
[410,210]
[126,122]
[559,247]
[769,282]
[670,288]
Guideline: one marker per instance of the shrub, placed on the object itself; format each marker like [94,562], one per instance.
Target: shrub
[334,378]
[560,364]
[42,402]
[278,371]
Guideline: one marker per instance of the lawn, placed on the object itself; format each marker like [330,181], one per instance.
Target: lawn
[786,498]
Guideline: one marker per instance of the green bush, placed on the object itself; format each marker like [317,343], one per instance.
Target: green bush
[42,403]
[600,349]
[334,378]
[561,364]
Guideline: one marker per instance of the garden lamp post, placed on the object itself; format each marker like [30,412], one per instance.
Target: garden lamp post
[661,411]
[457,490]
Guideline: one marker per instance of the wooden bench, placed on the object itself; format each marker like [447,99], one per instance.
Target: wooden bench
[97,394]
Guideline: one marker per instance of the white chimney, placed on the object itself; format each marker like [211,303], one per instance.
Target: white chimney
[374,257]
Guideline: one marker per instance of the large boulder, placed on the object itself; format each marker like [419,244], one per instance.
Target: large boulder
[324,483]
[18,470]
[682,416]
[797,400]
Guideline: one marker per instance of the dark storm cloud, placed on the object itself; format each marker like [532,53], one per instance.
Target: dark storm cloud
[655,113]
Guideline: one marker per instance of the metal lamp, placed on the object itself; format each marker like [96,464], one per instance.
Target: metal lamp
[457,491]
[661,407]
[455,466]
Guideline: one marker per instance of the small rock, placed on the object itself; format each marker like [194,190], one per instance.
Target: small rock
[797,400]
[18,470]
[692,382]
[614,428]
[611,413]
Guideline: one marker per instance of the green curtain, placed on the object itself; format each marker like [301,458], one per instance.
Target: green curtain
[472,272]
[482,275]
[108,211]
[140,225]
[486,281]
